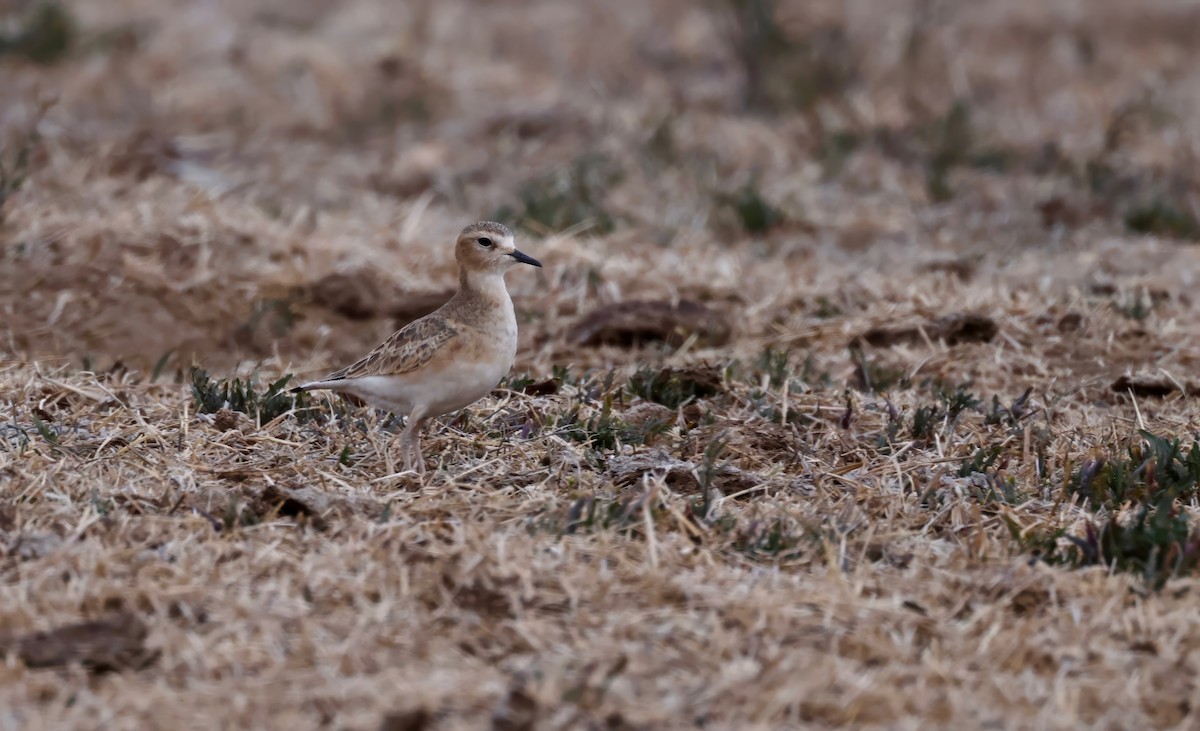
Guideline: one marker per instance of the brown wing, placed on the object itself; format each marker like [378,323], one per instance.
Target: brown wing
[409,348]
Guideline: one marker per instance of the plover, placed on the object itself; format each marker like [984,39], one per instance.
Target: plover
[451,357]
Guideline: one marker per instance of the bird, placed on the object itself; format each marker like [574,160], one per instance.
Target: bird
[451,357]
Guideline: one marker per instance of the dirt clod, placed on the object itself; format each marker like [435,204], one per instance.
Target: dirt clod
[416,720]
[362,295]
[952,329]
[225,419]
[548,387]
[111,644]
[1150,385]
[636,322]
[517,711]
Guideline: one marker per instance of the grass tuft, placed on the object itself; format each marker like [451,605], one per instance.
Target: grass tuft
[1164,218]
[1152,480]
[951,137]
[14,167]
[1134,306]
[568,198]
[45,36]
[786,68]
[755,214]
[237,395]
[958,400]
[673,387]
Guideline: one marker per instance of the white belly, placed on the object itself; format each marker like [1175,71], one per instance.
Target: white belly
[439,392]
[462,385]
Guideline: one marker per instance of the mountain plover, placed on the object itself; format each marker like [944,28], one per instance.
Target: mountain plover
[449,358]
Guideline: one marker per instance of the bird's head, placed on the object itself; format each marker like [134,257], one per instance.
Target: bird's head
[488,246]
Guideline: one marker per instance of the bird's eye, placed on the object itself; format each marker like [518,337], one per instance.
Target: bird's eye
[485,242]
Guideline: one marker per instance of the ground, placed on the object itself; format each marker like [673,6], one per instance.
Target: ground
[858,387]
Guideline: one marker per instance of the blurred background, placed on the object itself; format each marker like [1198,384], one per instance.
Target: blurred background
[233,182]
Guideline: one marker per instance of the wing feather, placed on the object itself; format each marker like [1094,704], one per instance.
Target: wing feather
[409,348]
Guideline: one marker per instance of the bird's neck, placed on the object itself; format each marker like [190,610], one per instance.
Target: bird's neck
[485,294]
[488,285]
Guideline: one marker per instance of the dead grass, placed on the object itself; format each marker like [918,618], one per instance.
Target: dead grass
[858,389]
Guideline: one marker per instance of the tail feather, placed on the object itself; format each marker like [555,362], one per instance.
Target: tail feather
[334,385]
[318,386]
[312,385]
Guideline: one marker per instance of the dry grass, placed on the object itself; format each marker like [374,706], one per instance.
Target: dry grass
[865,224]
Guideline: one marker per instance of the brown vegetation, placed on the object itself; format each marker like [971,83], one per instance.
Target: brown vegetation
[858,387]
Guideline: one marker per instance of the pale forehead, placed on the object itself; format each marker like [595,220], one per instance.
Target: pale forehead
[487,227]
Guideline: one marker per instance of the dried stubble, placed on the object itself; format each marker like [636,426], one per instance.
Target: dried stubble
[822,517]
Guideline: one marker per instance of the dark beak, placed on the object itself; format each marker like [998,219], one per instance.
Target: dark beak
[525,258]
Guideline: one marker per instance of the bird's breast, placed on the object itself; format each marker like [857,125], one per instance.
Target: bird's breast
[462,383]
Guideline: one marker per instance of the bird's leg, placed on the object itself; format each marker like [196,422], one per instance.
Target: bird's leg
[410,441]
[404,450]
[417,448]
